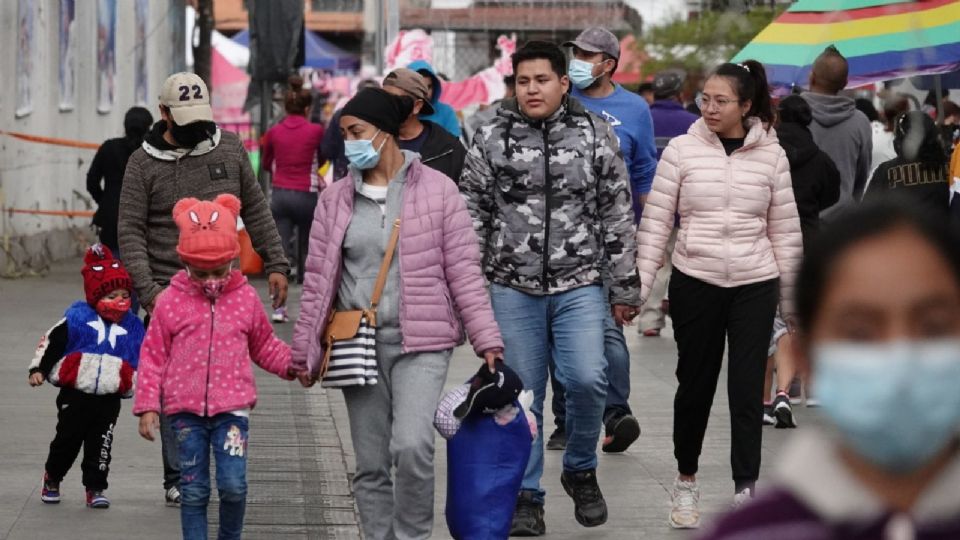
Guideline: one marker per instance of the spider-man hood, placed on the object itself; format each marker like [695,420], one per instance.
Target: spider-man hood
[103,274]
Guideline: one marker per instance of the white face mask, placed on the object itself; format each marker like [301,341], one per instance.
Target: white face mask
[212,287]
[895,404]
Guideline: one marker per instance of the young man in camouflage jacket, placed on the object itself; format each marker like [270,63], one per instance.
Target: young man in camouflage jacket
[550,199]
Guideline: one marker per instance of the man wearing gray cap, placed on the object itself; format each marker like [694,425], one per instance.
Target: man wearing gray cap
[184,155]
[438,149]
[596,53]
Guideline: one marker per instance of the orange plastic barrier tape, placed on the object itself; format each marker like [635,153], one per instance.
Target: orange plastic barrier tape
[52,140]
[62,213]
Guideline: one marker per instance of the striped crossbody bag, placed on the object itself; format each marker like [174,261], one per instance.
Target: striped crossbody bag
[350,358]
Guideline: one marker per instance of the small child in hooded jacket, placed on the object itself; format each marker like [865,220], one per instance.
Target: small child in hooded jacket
[91,354]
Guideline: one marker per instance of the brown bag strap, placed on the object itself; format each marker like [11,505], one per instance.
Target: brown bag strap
[385,266]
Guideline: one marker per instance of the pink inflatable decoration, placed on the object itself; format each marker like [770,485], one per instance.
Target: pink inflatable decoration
[481,88]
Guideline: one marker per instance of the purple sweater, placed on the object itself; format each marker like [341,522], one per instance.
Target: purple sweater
[670,120]
[780,515]
[440,276]
[819,499]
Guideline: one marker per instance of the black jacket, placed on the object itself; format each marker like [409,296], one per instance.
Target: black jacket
[922,183]
[108,166]
[442,151]
[331,147]
[816,180]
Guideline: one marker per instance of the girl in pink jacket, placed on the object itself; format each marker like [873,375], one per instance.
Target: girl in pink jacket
[206,327]
[433,283]
[738,249]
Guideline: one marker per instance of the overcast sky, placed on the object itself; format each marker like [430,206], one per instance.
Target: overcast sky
[654,12]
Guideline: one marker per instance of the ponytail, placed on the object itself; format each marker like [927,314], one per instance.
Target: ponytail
[297,99]
[749,81]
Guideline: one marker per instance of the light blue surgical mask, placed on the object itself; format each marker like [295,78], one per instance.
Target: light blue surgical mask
[581,73]
[361,153]
[894,404]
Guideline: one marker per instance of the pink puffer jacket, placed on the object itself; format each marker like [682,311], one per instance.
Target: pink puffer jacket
[439,257]
[738,219]
[197,353]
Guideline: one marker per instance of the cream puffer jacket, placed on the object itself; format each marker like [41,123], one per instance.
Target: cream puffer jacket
[738,218]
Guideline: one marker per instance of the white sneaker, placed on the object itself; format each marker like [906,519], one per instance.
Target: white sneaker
[280,315]
[685,513]
[742,497]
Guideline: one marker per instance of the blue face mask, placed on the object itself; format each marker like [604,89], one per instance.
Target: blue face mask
[581,73]
[894,404]
[361,153]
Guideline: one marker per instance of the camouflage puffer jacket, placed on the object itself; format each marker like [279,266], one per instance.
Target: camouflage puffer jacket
[552,224]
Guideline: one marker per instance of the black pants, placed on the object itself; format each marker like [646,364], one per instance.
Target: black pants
[88,421]
[704,318]
[294,209]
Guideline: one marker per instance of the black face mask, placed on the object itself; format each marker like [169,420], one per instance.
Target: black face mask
[193,134]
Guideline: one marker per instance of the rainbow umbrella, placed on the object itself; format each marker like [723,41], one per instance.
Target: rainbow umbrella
[881,39]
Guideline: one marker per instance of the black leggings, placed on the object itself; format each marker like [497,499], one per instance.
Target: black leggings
[294,209]
[705,317]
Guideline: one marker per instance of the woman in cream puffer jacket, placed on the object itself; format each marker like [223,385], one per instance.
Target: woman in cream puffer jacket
[738,219]
[738,249]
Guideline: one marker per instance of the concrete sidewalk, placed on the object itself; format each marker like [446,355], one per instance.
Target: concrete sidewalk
[297,476]
[637,483]
[301,460]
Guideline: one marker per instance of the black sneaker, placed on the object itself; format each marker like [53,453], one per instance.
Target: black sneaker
[619,433]
[783,412]
[172,496]
[768,418]
[557,440]
[528,517]
[588,505]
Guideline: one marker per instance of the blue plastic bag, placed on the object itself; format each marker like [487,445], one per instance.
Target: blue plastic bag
[485,465]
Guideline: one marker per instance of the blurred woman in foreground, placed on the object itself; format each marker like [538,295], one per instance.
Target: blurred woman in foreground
[878,303]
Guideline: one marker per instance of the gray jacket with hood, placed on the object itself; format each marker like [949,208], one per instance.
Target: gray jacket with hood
[158,175]
[844,134]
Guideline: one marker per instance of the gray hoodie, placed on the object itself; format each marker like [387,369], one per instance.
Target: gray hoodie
[844,134]
[364,245]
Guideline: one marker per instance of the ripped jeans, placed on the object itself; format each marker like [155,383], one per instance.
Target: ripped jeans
[226,434]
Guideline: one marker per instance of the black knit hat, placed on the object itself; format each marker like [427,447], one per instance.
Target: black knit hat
[490,391]
[382,109]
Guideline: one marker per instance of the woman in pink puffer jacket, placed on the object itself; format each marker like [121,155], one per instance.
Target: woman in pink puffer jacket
[738,249]
[434,281]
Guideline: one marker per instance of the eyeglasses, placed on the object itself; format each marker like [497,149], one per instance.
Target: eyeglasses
[705,103]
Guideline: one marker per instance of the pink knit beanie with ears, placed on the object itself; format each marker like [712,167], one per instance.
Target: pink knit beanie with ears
[208,231]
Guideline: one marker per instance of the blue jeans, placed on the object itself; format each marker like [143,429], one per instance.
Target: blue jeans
[227,435]
[618,377]
[570,325]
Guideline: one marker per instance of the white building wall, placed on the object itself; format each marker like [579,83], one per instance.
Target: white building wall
[50,177]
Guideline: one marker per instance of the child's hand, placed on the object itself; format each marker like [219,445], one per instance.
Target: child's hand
[36,378]
[149,424]
[306,379]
